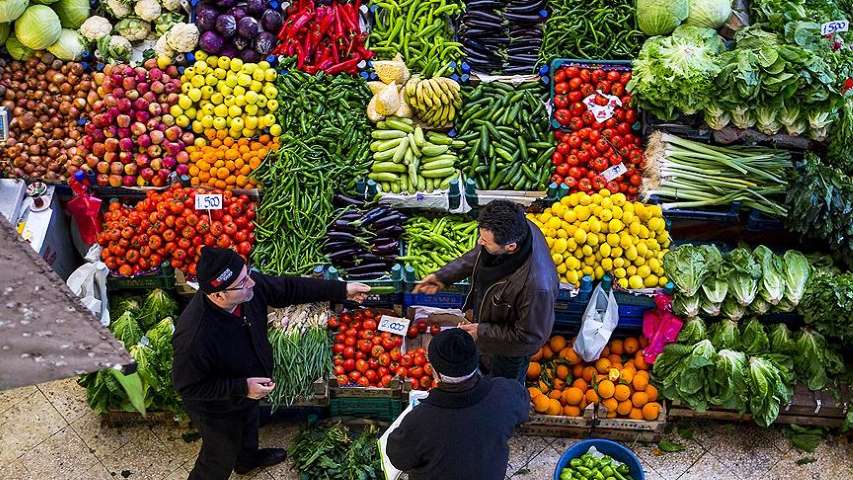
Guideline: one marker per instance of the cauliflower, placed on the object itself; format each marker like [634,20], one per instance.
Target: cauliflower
[171,5]
[95,28]
[147,10]
[118,8]
[166,22]
[183,37]
[133,29]
[162,49]
[114,49]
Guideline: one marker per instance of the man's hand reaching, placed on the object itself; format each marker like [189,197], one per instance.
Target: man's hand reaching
[357,292]
[429,285]
[259,387]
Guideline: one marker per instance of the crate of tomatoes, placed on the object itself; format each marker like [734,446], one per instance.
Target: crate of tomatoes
[598,141]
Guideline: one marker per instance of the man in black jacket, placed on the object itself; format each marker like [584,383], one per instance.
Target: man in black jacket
[460,431]
[513,287]
[223,359]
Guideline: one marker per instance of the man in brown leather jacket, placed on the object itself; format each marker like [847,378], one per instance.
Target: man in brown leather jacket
[513,287]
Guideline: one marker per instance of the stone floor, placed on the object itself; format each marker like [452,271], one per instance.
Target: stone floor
[48,432]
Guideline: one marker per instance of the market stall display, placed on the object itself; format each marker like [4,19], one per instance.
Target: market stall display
[503,37]
[364,243]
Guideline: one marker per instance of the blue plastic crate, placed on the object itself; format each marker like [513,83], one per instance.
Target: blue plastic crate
[758,222]
[439,300]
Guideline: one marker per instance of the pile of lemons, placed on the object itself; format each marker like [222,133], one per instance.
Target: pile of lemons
[605,233]
[225,93]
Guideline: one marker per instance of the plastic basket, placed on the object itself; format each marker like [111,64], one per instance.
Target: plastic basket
[164,278]
[616,450]
[383,409]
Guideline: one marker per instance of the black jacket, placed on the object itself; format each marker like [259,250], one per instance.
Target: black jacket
[460,435]
[216,351]
[517,313]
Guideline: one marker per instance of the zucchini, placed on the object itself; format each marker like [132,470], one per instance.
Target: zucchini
[446,156]
[384,177]
[387,134]
[388,167]
[434,150]
[439,173]
[448,163]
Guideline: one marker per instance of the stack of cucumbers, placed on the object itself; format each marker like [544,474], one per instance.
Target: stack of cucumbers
[508,142]
[407,160]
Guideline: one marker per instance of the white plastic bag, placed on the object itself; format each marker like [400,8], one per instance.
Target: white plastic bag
[89,282]
[599,320]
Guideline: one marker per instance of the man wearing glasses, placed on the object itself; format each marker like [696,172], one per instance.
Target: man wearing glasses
[223,360]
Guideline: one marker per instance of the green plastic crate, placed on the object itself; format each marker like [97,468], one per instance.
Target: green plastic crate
[384,409]
[164,278]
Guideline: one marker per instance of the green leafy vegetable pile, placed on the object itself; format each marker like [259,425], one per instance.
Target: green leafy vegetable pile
[775,14]
[827,305]
[709,284]
[331,453]
[145,326]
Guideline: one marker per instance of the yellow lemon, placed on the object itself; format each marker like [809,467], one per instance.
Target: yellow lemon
[584,199]
[594,225]
[662,281]
[635,282]
[631,253]
[622,282]
[618,262]
[619,272]
[582,212]
[561,269]
[587,270]
[590,261]
[618,199]
[599,272]
[642,249]
[572,277]
[592,240]
[579,236]
[607,264]
[613,239]
[587,250]
[616,252]
[559,247]
[557,258]
[605,250]
[615,226]
[651,281]
[644,271]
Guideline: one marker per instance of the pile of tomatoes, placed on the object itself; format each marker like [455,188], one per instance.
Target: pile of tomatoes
[588,146]
[365,357]
[166,227]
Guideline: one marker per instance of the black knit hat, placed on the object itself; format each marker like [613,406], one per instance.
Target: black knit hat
[453,353]
[218,268]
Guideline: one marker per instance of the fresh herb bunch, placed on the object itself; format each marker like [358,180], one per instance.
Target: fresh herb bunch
[828,303]
[776,14]
[330,453]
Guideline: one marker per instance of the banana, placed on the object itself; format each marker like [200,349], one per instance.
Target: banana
[438,89]
[423,96]
[428,93]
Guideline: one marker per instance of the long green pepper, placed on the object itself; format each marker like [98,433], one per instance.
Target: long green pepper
[432,243]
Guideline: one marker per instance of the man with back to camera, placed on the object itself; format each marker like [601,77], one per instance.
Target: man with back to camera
[461,429]
[513,287]
[223,359]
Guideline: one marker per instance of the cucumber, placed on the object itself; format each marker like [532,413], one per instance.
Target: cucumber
[388,167]
[383,145]
[440,173]
[386,154]
[448,163]
[434,150]
[446,156]
[384,177]
[439,138]
[387,134]
[459,144]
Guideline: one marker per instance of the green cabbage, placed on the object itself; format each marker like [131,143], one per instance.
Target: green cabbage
[72,13]
[38,27]
[17,50]
[797,272]
[754,338]
[693,331]
[730,380]
[725,335]
[660,17]
[10,10]
[69,47]
[781,339]
[744,276]
[708,13]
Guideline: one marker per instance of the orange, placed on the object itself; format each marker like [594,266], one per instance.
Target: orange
[627,375]
[640,361]
[570,355]
[555,394]
[602,365]
[557,343]
[577,370]
[616,347]
[651,411]
[631,345]
[591,396]
[541,403]
[571,411]
[572,395]
[605,353]
[605,389]
[624,407]
[559,384]
[652,392]
[580,384]
[636,414]
[588,372]
[641,380]
[536,356]
[615,360]
[534,392]
[533,370]
[562,372]
[611,405]
[630,363]
[554,407]
[639,399]
[547,353]
[621,392]
[613,374]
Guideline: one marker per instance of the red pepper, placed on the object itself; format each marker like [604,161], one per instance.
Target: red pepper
[348,65]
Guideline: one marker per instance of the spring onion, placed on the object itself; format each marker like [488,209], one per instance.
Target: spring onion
[687,174]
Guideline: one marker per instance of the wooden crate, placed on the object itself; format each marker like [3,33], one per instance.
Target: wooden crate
[394,390]
[559,425]
[628,430]
[808,408]
[319,396]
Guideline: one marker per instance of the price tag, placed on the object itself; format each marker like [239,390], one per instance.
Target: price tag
[394,325]
[614,172]
[208,201]
[830,28]
[4,124]
[602,113]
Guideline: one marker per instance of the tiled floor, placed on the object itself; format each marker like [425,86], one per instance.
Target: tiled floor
[48,432]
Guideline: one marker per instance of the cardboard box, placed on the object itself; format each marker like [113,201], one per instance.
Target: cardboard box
[444,320]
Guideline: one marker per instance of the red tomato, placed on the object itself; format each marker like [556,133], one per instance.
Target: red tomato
[339,370]
[406,361]
[420,360]
[563,116]
[412,332]
[585,185]
[585,74]
[361,366]
[560,76]
[395,355]
[244,248]
[426,382]
[343,380]
[574,84]
[562,170]
[363,382]
[349,353]
[556,158]
[613,76]
[386,380]
[388,343]
[562,87]
[561,101]
[371,376]
[402,371]
[572,72]
[384,359]
[369,325]
[416,372]
[575,97]
[365,346]
[377,351]
[354,375]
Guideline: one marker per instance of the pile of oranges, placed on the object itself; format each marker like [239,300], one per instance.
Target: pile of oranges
[561,383]
[219,161]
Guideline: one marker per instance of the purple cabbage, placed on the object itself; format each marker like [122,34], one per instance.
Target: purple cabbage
[248,27]
[251,56]
[272,20]
[240,43]
[237,12]
[210,42]
[230,51]
[226,25]
[265,43]
[256,7]
[205,17]
[223,4]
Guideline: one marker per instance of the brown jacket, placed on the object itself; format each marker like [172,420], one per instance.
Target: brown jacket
[517,313]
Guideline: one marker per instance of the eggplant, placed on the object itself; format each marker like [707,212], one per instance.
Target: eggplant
[478,4]
[341,237]
[345,226]
[395,218]
[473,22]
[365,258]
[391,231]
[386,246]
[529,7]
[343,200]
[335,246]
[368,268]
[481,15]
[341,254]
[366,276]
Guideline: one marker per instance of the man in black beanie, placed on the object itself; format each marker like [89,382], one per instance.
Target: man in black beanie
[461,430]
[513,287]
[223,360]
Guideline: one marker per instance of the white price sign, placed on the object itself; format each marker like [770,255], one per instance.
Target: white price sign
[614,172]
[208,201]
[394,325]
[830,28]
